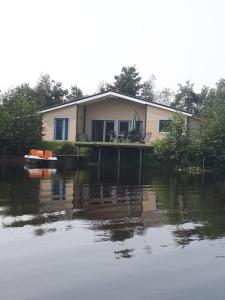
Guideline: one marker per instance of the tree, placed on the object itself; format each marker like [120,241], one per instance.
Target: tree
[128,82]
[212,134]
[23,91]
[103,87]
[220,88]
[173,146]
[49,92]
[147,89]
[20,124]
[75,93]
[165,96]
[187,99]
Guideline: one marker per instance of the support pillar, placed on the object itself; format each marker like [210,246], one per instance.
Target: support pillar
[99,163]
[118,166]
[140,164]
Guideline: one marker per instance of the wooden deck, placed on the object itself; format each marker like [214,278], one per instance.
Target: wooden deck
[139,147]
[112,145]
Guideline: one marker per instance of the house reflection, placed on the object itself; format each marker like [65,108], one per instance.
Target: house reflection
[56,194]
[117,212]
[96,201]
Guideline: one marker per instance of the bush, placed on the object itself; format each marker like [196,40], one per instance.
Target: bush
[60,147]
[67,148]
[173,147]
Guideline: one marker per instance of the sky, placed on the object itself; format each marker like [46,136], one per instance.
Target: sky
[84,42]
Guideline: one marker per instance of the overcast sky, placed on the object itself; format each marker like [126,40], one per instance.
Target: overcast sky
[86,41]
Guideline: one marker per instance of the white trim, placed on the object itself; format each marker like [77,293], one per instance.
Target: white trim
[56,107]
[114,94]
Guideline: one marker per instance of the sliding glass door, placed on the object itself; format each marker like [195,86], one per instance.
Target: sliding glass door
[97,131]
[101,130]
[109,128]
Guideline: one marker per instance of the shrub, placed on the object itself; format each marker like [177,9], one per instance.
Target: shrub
[60,147]
[67,148]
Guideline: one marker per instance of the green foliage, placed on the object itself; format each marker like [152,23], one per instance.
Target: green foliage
[173,146]
[188,100]
[20,124]
[193,170]
[67,148]
[212,134]
[62,147]
[52,145]
[128,82]
[103,87]
[49,92]
[21,91]
[147,89]
[165,96]
[75,93]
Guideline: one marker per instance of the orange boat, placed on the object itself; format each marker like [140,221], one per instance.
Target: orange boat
[40,158]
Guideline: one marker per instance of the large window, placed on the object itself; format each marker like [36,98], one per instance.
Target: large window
[124,127]
[61,129]
[163,124]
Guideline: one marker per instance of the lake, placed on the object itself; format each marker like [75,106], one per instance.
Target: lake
[89,234]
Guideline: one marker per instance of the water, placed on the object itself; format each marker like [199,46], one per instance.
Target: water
[92,235]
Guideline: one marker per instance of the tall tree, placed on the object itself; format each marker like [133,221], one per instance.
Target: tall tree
[23,91]
[147,89]
[212,134]
[20,124]
[165,96]
[220,88]
[103,87]
[187,99]
[128,82]
[50,92]
[75,93]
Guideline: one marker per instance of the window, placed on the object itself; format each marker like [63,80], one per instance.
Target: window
[61,129]
[124,127]
[163,124]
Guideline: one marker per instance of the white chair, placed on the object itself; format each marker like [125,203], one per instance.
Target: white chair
[147,137]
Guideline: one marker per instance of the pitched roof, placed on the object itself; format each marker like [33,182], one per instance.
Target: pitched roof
[102,96]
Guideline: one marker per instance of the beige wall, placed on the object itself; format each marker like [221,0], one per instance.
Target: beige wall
[69,112]
[154,115]
[112,109]
[109,109]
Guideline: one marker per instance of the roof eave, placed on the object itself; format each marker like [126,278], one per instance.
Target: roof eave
[116,95]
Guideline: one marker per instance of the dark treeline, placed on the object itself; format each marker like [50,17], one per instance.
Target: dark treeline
[21,125]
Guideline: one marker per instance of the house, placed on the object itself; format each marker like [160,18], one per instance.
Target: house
[108,116]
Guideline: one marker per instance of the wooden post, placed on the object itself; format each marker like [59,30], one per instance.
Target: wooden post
[78,158]
[99,155]
[140,165]
[118,166]
[99,163]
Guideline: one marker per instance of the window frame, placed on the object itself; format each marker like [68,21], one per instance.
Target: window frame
[129,124]
[163,129]
[65,129]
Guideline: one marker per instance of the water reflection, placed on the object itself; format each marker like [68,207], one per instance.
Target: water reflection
[62,227]
[115,212]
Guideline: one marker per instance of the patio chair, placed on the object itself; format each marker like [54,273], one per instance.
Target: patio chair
[147,137]
[112,137]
